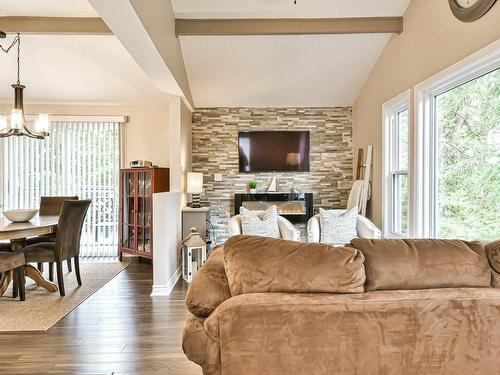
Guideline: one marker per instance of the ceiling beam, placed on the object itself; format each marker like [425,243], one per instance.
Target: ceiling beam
[289,26]
[54,25]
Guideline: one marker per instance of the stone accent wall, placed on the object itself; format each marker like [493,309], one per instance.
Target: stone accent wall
[215,150]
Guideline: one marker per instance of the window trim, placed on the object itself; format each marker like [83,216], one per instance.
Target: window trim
[424,210]
[391,108]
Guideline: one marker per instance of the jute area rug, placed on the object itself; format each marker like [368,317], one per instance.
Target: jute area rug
[42,309]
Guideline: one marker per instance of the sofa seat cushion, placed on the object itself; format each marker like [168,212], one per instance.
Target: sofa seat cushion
[257,265]
[423,264]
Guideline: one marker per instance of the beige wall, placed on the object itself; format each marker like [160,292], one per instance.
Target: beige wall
[146,133]
[432,40]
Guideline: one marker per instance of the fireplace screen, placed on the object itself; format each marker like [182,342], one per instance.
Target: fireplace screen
[284,208]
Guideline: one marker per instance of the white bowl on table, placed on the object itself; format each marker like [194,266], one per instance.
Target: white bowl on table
[21,215]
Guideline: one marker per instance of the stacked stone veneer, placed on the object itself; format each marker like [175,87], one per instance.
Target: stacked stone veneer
[215,150]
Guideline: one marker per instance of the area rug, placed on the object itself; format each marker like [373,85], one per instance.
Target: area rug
[42,309]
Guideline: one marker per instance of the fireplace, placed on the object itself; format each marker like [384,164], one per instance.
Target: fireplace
[296,207]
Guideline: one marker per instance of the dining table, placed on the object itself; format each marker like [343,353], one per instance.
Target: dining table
[17,233]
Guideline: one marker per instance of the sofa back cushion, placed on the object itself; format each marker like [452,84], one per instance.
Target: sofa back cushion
[258,265]
[493,252]
[423,264]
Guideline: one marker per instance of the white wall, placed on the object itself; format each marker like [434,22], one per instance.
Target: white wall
[432,40]
[168,235]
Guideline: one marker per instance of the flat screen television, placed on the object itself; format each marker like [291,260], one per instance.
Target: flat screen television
[268,151]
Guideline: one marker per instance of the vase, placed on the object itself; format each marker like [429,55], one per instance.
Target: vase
[253,191]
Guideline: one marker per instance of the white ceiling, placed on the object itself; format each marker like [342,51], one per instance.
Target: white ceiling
[260,71]
[307,70]
[303,70]
[286,8]
[76,69]
[47,8]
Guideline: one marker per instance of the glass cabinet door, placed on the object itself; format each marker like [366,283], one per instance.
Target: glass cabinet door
[144,211]
[128,210]
[137,211]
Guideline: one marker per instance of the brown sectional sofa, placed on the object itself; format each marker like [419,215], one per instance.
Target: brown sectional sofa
[266,306]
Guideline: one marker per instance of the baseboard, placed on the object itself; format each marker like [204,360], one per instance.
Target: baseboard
[165,290]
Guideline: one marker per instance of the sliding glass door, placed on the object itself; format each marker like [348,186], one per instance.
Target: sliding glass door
[78,158]
[467,160]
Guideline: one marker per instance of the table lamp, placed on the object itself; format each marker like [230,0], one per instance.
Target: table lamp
[195,187]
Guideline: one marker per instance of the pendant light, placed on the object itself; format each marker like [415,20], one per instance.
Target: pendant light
[16,125]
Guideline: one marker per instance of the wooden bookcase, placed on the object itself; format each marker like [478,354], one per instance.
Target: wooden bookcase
[137,186]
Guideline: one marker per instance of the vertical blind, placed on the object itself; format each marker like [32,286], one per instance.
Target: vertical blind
[77,158]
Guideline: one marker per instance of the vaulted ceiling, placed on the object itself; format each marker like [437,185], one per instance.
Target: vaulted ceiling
[287,9]
[47,8]
[93,69]
[267,70]
[281,70]
[76,69]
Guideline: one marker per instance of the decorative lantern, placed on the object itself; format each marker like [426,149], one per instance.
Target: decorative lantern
[194,254]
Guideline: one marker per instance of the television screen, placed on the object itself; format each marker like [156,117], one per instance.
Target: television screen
[268,151]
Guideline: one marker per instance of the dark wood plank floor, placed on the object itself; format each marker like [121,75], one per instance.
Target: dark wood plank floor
[118,330]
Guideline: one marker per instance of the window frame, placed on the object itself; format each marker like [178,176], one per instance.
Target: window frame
[425,212]
[390,113]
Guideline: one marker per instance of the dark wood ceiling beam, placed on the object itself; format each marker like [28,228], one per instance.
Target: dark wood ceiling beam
[54,25]
[289,26]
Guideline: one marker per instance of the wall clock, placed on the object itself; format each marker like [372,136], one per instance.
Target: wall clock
[470,10]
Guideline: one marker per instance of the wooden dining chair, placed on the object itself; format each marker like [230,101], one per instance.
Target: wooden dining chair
[13,262]
[67,243]
[50,206]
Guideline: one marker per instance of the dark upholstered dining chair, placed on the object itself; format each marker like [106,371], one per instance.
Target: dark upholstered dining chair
[14,262]
[67,244]
[50,206]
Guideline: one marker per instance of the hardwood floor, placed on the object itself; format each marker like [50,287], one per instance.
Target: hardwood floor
[118,330]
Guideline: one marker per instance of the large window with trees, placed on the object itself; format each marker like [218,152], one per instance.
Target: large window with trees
[456,158]
[467,160]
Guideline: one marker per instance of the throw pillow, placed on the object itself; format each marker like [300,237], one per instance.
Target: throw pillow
[338,227]
[263,224]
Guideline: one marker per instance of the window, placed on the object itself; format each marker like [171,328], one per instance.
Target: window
[457,159]
[396,150]
[467,160]
[78,158]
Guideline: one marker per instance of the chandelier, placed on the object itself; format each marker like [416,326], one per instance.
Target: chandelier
[16,124]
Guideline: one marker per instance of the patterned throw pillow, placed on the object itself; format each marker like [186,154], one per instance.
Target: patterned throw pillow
[260,224]
[338,227]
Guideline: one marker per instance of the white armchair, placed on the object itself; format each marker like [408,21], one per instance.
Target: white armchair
[364,227]
[287,230]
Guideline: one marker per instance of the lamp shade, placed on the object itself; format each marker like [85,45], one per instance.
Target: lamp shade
[194,183]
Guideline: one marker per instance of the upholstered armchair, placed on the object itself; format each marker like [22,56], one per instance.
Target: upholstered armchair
[364,227]
[287,230]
